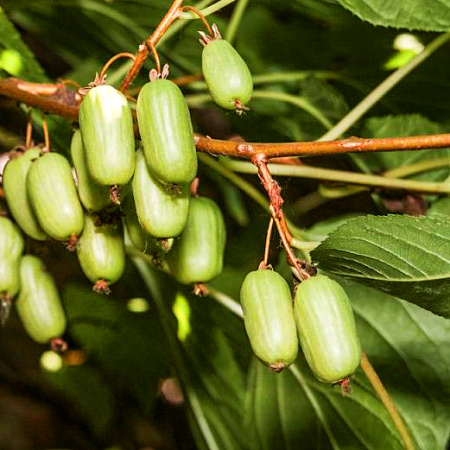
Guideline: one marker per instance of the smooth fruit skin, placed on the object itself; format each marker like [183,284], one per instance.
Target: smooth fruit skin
[9,277]
[11,248]
[38,305]
[106,126]
[166,132]
[54,198]
[143,241]
[326,328]
[101,251]
[93,196]
[197,255]
[269,318]
[161,212]
[15,187]
[227,75]
[11,240]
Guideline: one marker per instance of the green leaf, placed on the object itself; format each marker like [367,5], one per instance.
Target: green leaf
[126,344]
[408,347]
[440,209]
[204,341]
[429,15]
[398,126]
[15,56]
[408,257]
[294,410]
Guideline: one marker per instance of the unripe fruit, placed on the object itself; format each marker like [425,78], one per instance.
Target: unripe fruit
[101,253]
[9,277]
[326,328]
[166,131]
[269,318]
[106,126]
[143,241]
[93,196]
[197,255]
[15,187]
[38,305]
[11,248]
[161,211]
[53,196]
[228,78]
[11,240]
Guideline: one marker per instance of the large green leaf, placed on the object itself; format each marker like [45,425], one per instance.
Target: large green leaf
[430,15]
[294,410]
[408,257]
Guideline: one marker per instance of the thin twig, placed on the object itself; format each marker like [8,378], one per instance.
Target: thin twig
[267,245]
[113,59]
[274,192]
[172,14]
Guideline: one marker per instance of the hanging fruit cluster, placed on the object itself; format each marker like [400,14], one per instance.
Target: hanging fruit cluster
[320,315]
[143,191]
[118,188]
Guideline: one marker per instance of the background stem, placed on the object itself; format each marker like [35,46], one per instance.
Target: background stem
[235,20]
[385,398]
[382,89]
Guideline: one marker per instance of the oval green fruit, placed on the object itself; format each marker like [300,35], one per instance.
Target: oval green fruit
[9,277]
[161,211]
[93,196]
[228,78]
[38,305]
[143,241]
[326,328]
[53,197]
[166,132]
[15,187]
[11,240]
[197,255]
[101,253]
[269,318]
[106,126]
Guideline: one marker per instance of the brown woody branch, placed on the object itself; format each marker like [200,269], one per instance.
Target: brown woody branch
[58,99]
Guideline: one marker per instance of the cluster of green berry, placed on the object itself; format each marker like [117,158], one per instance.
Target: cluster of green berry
[321,316]
[145,192]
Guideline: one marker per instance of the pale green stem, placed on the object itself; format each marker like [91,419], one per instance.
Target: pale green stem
[303,245]
[246,187]
[422,166]
[298,101]
[386,399]
[199,99]
[342,176]
[225,300]
[235,20]
[238,181]
[326,193]
[275,78]
[278,77]
[207,11]
[382,89]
